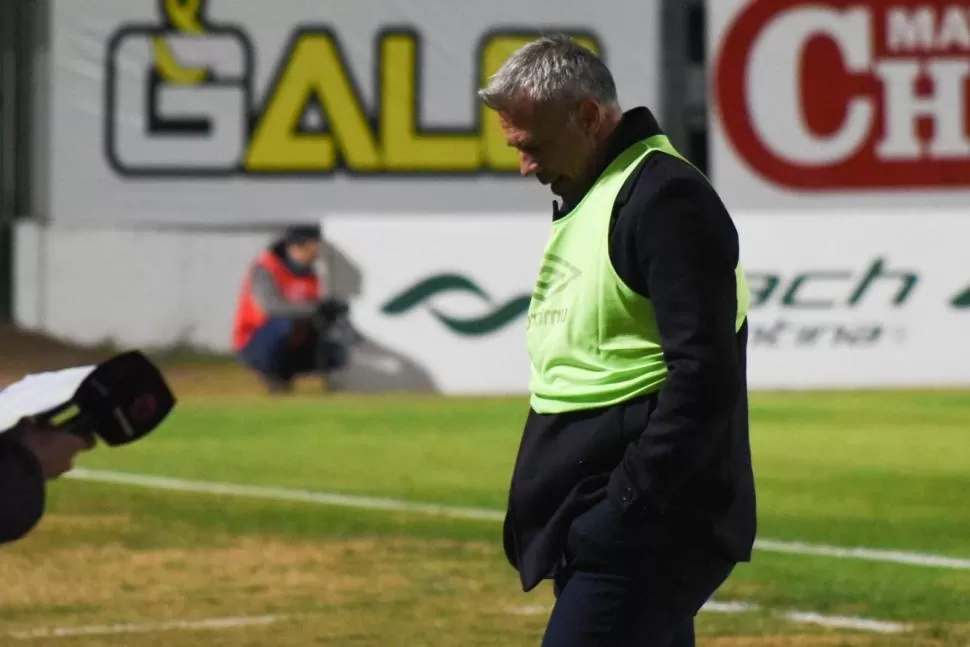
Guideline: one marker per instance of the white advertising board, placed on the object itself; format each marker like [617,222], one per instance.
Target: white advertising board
[448,295]
[863,300]
[217,112]
[857,299]
[840,103]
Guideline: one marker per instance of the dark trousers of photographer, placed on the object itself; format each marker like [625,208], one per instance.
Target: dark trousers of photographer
[284,348]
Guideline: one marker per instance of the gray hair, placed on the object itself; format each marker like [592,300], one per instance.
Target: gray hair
[553,70]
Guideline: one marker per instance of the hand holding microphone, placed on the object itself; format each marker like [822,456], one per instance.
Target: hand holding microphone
[48,419]
[54,449]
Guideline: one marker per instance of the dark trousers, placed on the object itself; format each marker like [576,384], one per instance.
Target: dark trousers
[623,587]
[283,348]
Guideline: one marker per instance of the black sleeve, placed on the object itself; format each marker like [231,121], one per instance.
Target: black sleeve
[21,490]
[686,251]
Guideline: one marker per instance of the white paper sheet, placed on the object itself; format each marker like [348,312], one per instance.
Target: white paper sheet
[38,393]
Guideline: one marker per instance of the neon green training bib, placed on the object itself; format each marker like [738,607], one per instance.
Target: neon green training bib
[592,340]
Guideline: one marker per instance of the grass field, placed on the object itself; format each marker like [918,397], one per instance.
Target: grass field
[876,470]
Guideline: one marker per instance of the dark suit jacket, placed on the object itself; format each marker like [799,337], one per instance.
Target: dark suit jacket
[679,458]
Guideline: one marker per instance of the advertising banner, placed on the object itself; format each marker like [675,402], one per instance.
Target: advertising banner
[863,300]
[442,301]
[840,103]
[857,299]
[215,112]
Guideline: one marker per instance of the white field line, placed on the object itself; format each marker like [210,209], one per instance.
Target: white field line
[843,622]
[872,554]
[810,617]
[799,617]
[282,494]
[172,625]
[395,505]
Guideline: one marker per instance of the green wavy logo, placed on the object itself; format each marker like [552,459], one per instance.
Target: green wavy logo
[962,300]
[498,317]
[554,275]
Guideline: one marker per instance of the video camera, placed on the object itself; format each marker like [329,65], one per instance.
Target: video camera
[120,400]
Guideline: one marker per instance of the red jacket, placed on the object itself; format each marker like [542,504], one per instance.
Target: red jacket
[294,287]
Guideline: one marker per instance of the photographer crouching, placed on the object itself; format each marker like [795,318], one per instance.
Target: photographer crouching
[48,419]
[285,325]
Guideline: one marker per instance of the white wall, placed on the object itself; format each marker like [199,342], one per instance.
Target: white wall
[139,288]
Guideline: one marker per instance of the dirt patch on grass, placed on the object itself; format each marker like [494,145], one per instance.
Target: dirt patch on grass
[189,374]
[23,352]
[346,592]
[70,523]
[921,637]
[104,575]
[812,640]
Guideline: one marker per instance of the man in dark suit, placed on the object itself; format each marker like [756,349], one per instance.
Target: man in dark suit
[633,487]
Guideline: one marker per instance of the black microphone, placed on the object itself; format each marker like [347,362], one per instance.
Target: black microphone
[122,400]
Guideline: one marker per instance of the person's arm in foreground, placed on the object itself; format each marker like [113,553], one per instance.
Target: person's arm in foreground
[28,456]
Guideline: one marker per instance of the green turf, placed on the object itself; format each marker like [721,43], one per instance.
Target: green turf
[865,469]
[457,452]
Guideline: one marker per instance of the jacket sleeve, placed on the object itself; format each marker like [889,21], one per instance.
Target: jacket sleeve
[686,251]
[269,298]
[21,490]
